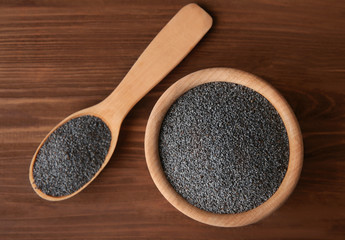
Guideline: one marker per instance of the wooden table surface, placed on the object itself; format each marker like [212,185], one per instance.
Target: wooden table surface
[57,57]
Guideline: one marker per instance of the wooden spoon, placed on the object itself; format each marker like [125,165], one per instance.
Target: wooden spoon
[273,96]
[166,50]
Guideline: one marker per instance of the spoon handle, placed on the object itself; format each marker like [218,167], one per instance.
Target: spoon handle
[167,49]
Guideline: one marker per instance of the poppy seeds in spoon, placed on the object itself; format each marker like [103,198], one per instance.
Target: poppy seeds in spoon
[224,148]
[71,156]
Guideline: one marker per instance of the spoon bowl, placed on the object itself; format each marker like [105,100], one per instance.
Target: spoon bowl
[114,127]
[166,50]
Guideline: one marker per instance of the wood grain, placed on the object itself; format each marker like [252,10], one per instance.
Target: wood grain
[57,57]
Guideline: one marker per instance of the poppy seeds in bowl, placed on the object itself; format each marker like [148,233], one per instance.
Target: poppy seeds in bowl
[71,156]
[223,147]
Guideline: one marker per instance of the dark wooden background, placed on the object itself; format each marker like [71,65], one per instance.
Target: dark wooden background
[57,57]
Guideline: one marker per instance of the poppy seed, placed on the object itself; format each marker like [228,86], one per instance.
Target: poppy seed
[224,147]
[71,156]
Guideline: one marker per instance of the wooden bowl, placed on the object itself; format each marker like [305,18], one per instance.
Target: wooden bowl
[273,96]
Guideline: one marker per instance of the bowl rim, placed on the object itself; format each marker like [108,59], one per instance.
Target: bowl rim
[273,96]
